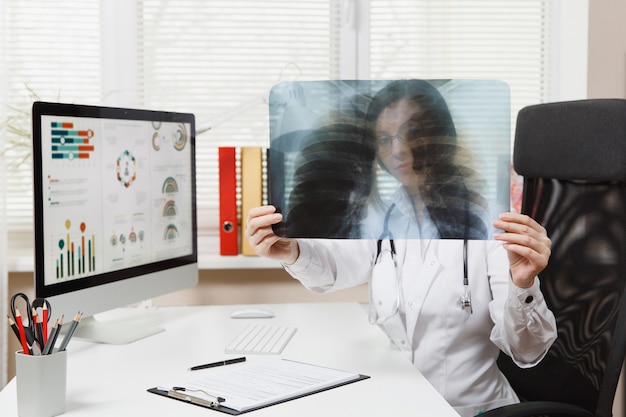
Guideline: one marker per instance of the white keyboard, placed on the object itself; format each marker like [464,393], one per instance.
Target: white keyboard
[261,339]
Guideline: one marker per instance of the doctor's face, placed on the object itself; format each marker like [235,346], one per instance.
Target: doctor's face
[395,132]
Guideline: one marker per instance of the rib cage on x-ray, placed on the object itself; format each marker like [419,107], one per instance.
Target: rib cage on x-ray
[332,182]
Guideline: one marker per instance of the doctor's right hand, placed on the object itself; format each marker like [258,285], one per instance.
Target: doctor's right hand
[264,241]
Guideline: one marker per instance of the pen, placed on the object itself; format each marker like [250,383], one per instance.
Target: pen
[219,363]
[70,332]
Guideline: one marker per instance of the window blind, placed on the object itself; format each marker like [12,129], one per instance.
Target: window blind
[48,53]
[464,39]
[219,59]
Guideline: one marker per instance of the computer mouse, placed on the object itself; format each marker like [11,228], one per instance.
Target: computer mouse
[252,313]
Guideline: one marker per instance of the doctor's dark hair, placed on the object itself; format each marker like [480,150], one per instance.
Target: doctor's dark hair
[435,119]
[451,186]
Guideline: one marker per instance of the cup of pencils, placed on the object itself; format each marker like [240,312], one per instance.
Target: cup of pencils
[41,384]
[41,365]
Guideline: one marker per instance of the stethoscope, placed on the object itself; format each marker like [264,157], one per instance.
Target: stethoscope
[390,254]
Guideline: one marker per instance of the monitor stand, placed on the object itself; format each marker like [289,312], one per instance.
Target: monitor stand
[117,327]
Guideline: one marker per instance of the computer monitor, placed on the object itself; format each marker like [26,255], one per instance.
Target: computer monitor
[115,212]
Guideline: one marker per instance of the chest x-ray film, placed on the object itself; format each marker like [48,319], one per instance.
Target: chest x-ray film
[407,159]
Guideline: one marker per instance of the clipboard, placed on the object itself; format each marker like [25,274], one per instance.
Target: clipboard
[179,394]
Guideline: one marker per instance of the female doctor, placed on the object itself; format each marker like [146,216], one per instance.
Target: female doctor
[449,304]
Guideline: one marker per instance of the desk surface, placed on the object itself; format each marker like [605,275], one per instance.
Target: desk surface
[107,380]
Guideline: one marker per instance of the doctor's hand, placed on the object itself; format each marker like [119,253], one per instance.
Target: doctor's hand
[527,244]
[264,241]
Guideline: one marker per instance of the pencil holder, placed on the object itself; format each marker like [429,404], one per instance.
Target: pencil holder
[41,382]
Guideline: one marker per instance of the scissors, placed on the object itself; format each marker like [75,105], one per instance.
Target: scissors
[36,331]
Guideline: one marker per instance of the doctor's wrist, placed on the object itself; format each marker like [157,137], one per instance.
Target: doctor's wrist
[294,253]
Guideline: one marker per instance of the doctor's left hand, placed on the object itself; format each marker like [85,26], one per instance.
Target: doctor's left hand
[527,245]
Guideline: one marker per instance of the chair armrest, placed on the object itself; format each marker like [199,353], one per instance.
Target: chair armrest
[538,408]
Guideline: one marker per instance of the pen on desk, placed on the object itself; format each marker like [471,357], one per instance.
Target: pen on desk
[219,363]
[70,332]
[22,333]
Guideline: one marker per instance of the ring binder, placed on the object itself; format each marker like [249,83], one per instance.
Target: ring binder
[229,235]
[251,189]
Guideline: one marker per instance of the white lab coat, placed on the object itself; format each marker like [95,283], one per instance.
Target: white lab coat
[454,349]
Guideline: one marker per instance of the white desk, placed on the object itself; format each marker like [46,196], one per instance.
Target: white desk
[111,380]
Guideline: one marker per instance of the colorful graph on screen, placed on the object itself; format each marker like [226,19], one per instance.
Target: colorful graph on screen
[69,143]
[76,256]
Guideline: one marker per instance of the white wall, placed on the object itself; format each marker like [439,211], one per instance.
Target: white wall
[607,49]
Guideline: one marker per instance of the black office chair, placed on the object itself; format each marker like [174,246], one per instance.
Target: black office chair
[573,159]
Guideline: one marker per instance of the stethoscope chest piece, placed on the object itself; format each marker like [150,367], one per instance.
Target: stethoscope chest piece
[466,298]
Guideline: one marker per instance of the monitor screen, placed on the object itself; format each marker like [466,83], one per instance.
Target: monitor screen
[114,204]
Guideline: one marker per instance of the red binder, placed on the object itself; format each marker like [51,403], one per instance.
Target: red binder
[229,235]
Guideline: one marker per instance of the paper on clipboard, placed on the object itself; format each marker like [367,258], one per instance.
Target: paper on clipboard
[248,387]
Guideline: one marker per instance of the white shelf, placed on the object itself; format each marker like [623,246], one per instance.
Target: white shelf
[236,262]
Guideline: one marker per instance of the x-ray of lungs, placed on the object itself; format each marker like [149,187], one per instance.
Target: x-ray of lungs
[408,159]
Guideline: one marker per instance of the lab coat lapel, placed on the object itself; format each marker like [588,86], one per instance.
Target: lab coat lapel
[420,282]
